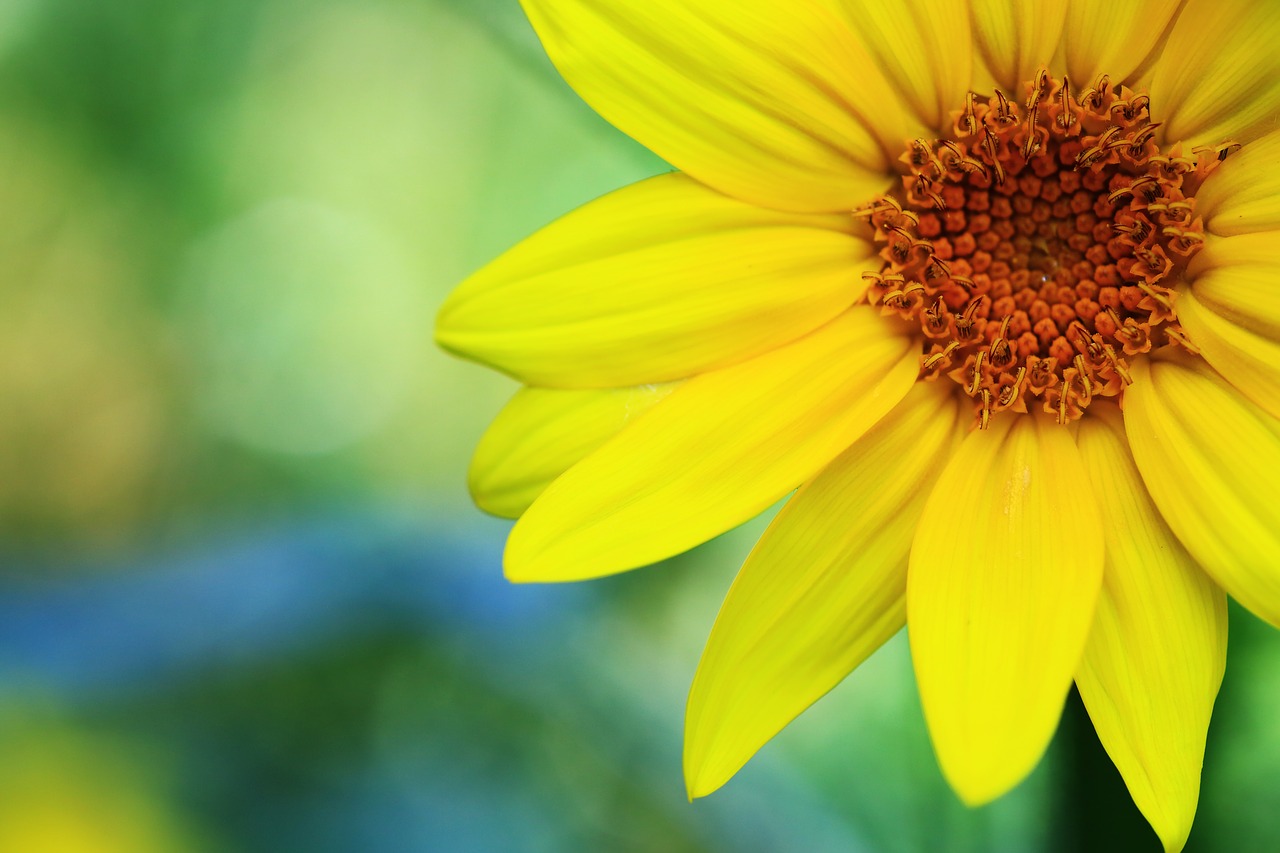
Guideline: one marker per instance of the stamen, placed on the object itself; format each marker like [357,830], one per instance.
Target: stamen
[1038,89]
[992,146]
[1217,152]
[1066,116]
[1083,375]
[1032,143]
[938,359]
[977,372]
[1012,392]
[968,122]
[1092,99]
[1004,111]
[1117,364]
[1179,338]
[921,154]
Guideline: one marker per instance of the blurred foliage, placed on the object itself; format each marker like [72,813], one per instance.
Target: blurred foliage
[229,226]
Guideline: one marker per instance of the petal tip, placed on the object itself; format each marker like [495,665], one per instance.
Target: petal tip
[448,336]
[987,758]
[1173,837]
[493,495]
[518,566]
[522,573]
[445,313]
[698,782]
[529,558]
[979,784]
[517,578]
[499,506]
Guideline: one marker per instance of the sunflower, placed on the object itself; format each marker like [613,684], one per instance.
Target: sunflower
[995,285]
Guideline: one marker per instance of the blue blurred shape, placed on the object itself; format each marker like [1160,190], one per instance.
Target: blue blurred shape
[265,596]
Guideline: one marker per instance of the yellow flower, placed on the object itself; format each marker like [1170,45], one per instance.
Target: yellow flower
[996,285]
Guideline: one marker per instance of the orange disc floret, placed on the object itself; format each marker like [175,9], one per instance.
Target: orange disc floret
[1038,245]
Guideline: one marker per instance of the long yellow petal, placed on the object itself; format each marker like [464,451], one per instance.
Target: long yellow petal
[1211,460]
[1249,361]
[721,449]
[1243,193]
[933,75]
[1004,574]
[823,589]
[541,433]
[1106,37]
[654,282]
[1015,38]
[775,103]
[1158,646]
[1218,77]
[1239,278]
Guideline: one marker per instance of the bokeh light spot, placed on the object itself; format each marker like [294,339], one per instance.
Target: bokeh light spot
[301,327]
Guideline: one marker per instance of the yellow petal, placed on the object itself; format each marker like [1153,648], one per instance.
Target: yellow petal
[1239,278]
[1015,38]
[1158,646]
[933,73]
[775,103]
[1243,193]
[1218,77]
[1249,361]
[541,433]
[721,449]
[822,590]
[1004,574]
[1113,38]
[1211,460]
[654,282]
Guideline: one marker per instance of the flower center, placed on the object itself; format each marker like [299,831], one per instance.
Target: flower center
[1037,246]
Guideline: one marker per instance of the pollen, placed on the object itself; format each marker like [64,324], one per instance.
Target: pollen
[1037,246]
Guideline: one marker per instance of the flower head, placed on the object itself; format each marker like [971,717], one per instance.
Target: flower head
[994,284]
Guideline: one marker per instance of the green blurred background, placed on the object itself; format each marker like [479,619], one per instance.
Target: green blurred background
[245,603]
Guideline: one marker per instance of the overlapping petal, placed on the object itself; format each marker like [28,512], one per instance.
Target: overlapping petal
[719,450]
[1239,277]
[1210,460]
[1243,193]
[823,589]
[1158,645]
[654,282]
[1218,77]
[1004,574]
[1250,361]
[543,432]
[775,103]
[1231,311]
[925,50]
[1106,37]
[1015,38]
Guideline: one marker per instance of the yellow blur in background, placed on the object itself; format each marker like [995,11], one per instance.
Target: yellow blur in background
[66,791]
